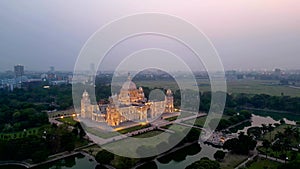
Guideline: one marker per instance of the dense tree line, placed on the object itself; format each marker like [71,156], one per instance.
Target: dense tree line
[241,145]
[25,108]
[234,119]
[263,101]
[204,163]
[50,140]
[239,101]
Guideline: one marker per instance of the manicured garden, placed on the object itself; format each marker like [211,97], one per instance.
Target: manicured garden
[20,134]
[68,120]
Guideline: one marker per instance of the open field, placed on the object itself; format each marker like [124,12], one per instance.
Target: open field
[262,164]
[183,114]
[175,127]
[271,135]
[149,134]
[288,153]
[131,129]
[232,160]
[269,87]
[129,145]
[201,120]
[101,133]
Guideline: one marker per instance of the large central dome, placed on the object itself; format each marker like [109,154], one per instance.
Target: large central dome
[129,85]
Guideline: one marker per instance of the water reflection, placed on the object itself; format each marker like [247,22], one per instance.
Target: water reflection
[206,151]
[74,162]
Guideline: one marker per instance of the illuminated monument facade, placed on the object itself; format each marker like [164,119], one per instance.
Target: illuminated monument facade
[129,105]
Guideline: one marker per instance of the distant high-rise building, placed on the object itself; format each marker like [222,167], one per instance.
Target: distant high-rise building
[52,69]
[92,68]
[277,72]
[19,70]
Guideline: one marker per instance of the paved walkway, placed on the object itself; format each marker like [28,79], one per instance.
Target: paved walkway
[243,164]
[271,158]
[23,164]
[237,124]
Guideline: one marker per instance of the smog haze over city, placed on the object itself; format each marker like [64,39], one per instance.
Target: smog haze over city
[248,35]
[134,84]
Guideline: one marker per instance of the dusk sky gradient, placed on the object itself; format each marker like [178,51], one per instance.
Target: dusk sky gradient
[248,34]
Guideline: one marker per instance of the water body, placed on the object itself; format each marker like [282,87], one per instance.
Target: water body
[206,151]
[81,161]
[75,162]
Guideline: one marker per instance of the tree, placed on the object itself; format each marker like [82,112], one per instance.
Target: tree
[204,163]
[241,145]
[124,162]
[146,151]
[39,156]
[219,155]
[255,132]
[276,147]
[104,157]
[266,144]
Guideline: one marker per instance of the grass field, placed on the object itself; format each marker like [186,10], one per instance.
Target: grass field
[130,145]
[68,120]
[182,115]
[131,129]
[198,122]
[232,160]
[201,120]
[288,153]
[175,127]
[238,86]
[101,133]
[262,164]
[271,135]
[149,134]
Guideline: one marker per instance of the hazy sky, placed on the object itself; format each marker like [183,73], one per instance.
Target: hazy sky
[248,34]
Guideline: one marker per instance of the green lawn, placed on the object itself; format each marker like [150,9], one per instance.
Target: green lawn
[271,135]
[171,118]
[277,154]
[263,163]
[232,160]
[201,120]
[129,146]
[131,129]
[198,122]
[182,115]
[101,133]
[175,127]
[149,134]
[68,120]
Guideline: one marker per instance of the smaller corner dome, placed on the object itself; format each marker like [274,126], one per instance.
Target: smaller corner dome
[85,94]
[169,92]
